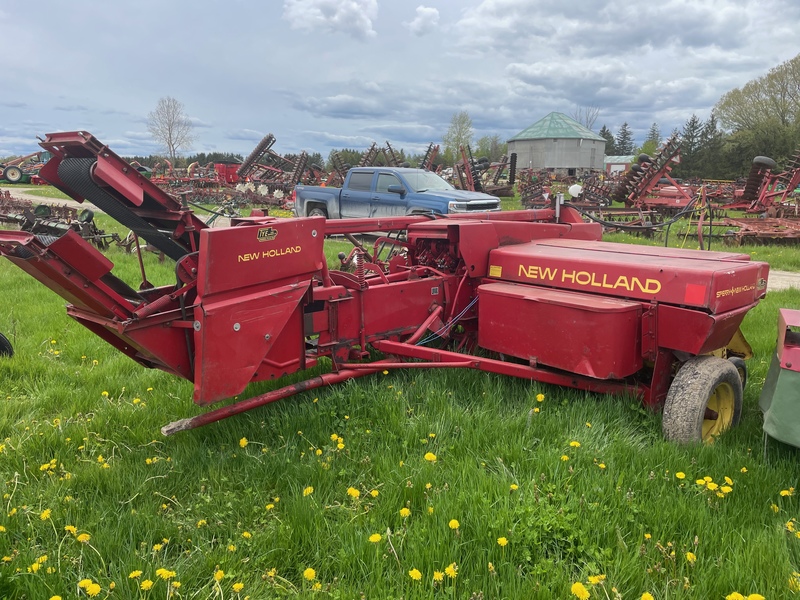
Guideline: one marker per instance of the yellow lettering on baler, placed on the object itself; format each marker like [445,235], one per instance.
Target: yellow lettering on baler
[271,253]
[537,272]
[591,279]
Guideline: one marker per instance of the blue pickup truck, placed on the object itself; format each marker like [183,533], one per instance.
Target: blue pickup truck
[389,191]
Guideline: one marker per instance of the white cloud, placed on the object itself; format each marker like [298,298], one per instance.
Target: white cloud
[426,21]
[352,17]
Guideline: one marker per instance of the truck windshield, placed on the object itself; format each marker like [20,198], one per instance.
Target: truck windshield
[421,181]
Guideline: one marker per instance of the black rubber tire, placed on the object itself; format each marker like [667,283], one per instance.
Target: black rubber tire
[644,158]
[765,161]
[5,347]
[317,212]
[741,368]
[688,397]
[12,174]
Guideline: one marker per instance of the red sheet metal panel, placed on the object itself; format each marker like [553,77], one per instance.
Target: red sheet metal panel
[238,257]
[580,333]
[715,284]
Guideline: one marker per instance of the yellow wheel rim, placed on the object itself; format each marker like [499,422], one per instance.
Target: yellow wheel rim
[721,402]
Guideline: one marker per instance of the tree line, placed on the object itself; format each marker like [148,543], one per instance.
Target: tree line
[760,119]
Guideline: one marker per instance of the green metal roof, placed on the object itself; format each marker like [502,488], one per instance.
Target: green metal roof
[557,125]
[620,159]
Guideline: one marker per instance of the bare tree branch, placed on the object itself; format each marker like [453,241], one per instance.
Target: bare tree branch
[170,127]
[586,115]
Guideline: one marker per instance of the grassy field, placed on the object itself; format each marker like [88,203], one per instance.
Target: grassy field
[408,484]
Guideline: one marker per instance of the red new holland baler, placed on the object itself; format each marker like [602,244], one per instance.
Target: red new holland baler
[533,294]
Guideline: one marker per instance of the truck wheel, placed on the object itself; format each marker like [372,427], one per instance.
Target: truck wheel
[5,346]
[704,400]
[317,212]
[12,174]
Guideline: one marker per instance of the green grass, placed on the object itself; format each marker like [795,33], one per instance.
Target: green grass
[230,496]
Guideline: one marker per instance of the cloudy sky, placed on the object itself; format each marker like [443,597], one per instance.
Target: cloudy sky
[323,74]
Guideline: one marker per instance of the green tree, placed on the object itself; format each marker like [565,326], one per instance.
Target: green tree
[654,135]
[611,144]
[690,144]
[170,127]
[624,140]
[458,134]
[490,146]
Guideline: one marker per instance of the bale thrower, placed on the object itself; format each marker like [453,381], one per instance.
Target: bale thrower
[533,294]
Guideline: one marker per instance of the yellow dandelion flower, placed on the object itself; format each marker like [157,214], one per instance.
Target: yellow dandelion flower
[596,579]
[158,547]
[743,470]
[788,492]
[2,529]
[308,491]
[318,452]
[680,475]
[385,372]
[647,596]
[165,573]
[238,587]
[374,493]
[45,514]
[310,574]
[231,548]
[453,524]
[564,457]
[404,512]
[647,536]
[726,489]
[84,583]
[502,541]
[430,510]
[340,445]
[415,574]
[243,442]
[84,538]
[430,457]
[93,590]
[247,535]
[691,558]
[728,480]
[317,586]
[755,597]
[55,597]
[146,584]
[575,444]
[353,492]
[540,397]
[513,487]
[700,482]
[775,508]
[438,576]
[601,466]
[712,486]
[269,506]
[707,479]
[491,568]
[375,538]
[219,575]
[135,574]
[451,571]
[578,590]
[734,596]
[202,523]
[536,410]
[104,394]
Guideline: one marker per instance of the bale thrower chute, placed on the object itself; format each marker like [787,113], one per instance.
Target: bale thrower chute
[257,301]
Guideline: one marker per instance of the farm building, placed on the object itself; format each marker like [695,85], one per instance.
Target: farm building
[618,164]
[559,144]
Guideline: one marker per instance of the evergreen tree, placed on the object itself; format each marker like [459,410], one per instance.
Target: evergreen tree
[690,144]
[624,140]
[654,135]
[611,145]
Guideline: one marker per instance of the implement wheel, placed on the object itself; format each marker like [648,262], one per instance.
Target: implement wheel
[704,400]
[317,212]
[5,346]
[741,368]
[12,174]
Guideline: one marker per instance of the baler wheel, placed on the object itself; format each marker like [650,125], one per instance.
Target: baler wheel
[704,400]
[5,346]
[317,212]
[741,368]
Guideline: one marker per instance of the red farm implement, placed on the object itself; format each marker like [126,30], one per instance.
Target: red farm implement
[531,294]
